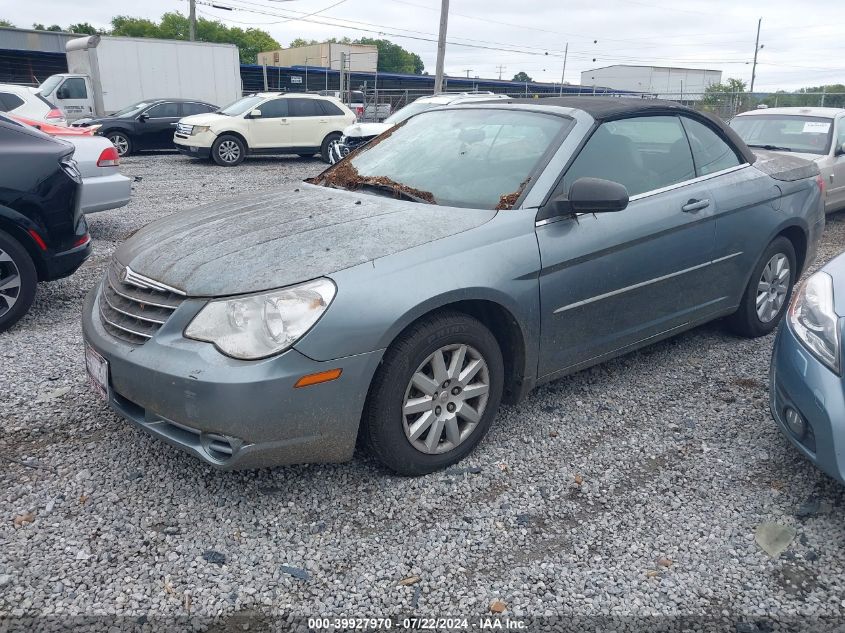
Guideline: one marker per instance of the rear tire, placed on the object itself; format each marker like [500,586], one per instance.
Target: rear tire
[121,141]
[228,151]
[769,290]
[18,281]
[423,414]
[326,146]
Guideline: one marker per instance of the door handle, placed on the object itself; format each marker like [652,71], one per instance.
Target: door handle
[695,205]
[283,121]
[324,120]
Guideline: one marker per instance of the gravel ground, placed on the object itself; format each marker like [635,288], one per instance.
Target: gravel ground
[634,488]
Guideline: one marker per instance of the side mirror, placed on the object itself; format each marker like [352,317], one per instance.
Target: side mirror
[840,150]
[591,195]
[144,117]
[255,114]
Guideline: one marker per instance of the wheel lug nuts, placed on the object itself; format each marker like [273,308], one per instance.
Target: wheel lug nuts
[437,410]
[446,384]
[450,407]
[456,391]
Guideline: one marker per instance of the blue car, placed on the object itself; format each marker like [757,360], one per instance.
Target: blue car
[807,392]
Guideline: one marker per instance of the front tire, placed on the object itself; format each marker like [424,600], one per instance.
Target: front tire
[121,141]
[325,148]
[435,394]
[228,151]
[18,280]
[768,292]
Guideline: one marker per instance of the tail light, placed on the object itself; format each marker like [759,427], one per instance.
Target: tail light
[359,111]
[55,113]
[109,158]
[822,185]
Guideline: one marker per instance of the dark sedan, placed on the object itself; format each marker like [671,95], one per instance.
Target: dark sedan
[43,234]
[147,124]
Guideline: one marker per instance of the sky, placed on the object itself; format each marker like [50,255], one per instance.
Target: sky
[802,43]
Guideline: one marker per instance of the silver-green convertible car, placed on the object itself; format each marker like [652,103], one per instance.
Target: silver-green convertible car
[461,258]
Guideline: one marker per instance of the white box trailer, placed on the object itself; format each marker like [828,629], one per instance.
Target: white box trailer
[106,74]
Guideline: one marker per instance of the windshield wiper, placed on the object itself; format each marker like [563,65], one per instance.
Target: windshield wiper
[773,148]
[397,191]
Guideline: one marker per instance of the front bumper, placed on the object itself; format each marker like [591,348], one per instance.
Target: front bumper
[231,414]
[798,380]
[194,151]
[105,192]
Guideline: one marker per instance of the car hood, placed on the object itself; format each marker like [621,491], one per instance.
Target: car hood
[207,118]
[366,129]
[283,237]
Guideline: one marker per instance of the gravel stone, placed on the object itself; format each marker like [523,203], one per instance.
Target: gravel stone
[675,447]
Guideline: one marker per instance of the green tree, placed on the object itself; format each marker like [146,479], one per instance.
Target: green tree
[521,76]
[8,24]
[726,99]
[392,58]
[834,97]
[174,26]
[41,27]
[83,27]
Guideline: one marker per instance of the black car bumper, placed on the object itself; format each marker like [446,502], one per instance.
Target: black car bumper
[63,264]
[194,151]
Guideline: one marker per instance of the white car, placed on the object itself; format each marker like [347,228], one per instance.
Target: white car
[816,134]
[264,123]
[362,133]
[27,102]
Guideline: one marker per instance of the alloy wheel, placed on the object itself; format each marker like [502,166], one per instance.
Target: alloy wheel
[773,287]
[445,399]
[10,283]
[121,144]
[228,151]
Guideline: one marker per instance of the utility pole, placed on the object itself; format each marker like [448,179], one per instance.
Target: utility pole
[468,71]
[757,48]
[501,68]
[192,20]
[563,74]
[441,46]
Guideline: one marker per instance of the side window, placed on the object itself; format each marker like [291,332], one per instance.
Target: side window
[74,88]
[274,109]
[709,152]
[642,153]
[304,107]
[330,109]
[9,102]
[163,111]
[840,132]
[195,108]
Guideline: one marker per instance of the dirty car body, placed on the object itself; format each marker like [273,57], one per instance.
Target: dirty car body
[467,256]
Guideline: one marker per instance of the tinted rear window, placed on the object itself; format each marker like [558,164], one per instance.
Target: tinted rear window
[329,108]
[304,107]
[9,102]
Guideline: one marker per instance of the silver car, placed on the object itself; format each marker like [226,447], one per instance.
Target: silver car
[103,186]
[817,134]
[473,253]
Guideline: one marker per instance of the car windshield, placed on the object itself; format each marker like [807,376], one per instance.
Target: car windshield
[785,132]
[403,114]
[241,105]
[133,108]
[477,158]
[49,84]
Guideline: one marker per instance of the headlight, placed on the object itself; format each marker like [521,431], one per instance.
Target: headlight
[813,320]
[258,326]
[199,129]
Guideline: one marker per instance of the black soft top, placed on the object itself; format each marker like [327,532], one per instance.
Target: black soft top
[605,108]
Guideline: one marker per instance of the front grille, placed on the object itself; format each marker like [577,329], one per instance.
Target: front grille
[183,129]
[132,307]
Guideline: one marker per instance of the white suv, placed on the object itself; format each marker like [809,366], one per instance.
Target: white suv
[27,102]
[264,123]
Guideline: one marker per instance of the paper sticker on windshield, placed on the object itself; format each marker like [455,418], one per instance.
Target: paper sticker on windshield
[816,127]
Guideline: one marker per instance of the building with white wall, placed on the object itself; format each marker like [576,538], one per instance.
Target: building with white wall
[687,84]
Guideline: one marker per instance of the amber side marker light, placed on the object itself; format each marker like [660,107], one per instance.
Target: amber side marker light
[316,379]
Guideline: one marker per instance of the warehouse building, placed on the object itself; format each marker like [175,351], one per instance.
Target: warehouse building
[360,58]
[663,82]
